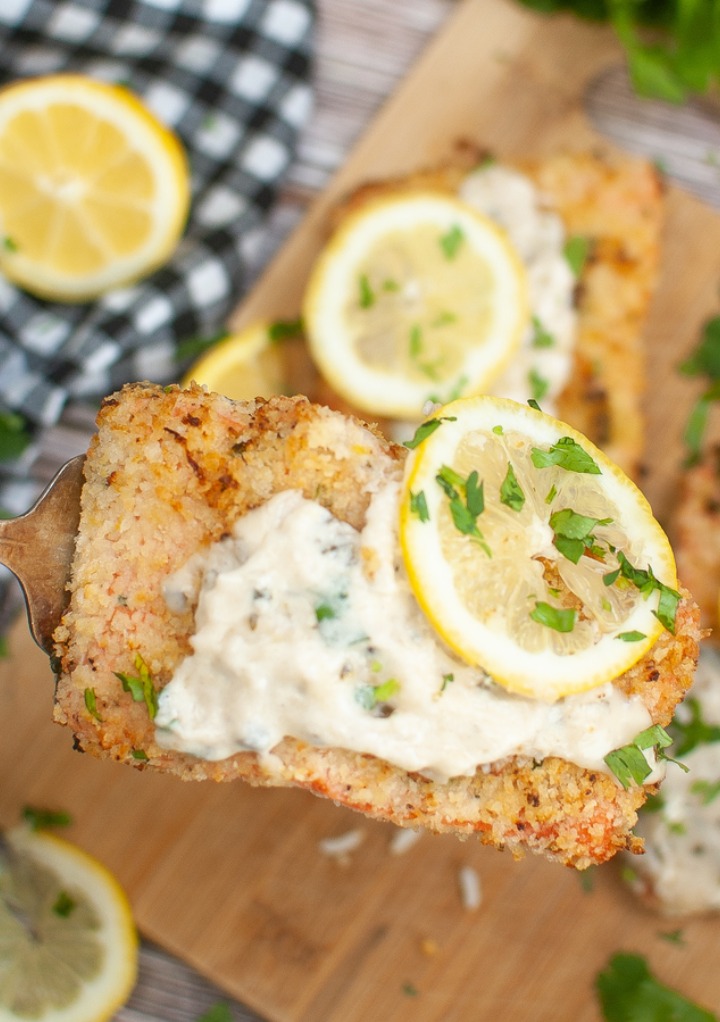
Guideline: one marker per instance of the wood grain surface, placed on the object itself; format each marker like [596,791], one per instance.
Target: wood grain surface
[233,880]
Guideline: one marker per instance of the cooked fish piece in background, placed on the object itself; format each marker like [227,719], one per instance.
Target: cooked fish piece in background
[680,873]
[169,472]
[613,209]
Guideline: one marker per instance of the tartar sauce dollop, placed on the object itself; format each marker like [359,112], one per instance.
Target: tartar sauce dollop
[307,628]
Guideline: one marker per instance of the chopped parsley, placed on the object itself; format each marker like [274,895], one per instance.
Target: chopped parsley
[324,611]
[568,454]
[629,764]
[370,696]
[452,241]
[539,386]
[64,905]
[688,734]
[138,754]
[285,329]
[91,703]
[140,686]
[645,582]
[366,294]
[632,636]
[573,533]
[541,337]
[14,436]
[704,361]
[628,990]
[560,619]
[447,679]
[707,791]
[219,1012]
[418,506]
[39,819]
[511,493]
[9,244]
[576,252]
[425,429]
[466,502]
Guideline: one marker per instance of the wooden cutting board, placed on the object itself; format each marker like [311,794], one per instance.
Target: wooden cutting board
[232,879]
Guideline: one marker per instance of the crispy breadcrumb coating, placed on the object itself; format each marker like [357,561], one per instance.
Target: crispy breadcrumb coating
[168,472]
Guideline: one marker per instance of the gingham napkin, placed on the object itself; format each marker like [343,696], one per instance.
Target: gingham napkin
[232,78]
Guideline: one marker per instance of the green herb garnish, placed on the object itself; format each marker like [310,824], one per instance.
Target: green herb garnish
[511,493]
[576,252]
[367,295]
[628,991]
[324,612]
[219,1012]
[14,436]
[541,338]
[40,819]
[425,429]
[631,636]
[560,619]
[466,502]
[707,791]
[63,905]
[629,764]
[452,241]
[285,329]
[418,506]
[539,386]
[567,454]
[91,703]
[645,581]
[688,734]
[140,686]
[574,533]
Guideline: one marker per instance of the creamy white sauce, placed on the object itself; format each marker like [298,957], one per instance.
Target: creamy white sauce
[682,839]
[307,628]
[512,200]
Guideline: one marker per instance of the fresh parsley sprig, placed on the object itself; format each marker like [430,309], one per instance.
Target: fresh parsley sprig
[629,763]
[628,990]
[672,47]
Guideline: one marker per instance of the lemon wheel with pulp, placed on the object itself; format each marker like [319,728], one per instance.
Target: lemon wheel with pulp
[531,553]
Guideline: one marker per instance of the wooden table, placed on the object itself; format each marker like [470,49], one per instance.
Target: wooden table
[366,48]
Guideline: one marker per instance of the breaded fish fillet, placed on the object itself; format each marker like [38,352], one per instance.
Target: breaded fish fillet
[168,472]
[617,208]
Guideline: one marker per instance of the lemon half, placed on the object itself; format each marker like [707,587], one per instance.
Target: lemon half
[531,553]
[417,297]
[94,190]
[68,946]
[243,365]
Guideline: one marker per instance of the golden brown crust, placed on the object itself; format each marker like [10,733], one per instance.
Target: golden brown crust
[169,471]
[697,533]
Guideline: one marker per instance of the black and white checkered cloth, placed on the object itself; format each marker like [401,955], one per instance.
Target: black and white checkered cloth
[233,79]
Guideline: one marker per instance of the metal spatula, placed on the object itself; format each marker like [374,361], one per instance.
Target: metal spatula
[38,548]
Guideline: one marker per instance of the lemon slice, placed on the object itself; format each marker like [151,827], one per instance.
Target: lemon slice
[243,365]
[68,946]
[531,553]
[94,190]
[416,297]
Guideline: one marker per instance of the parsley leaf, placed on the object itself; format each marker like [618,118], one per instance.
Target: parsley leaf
[464,514]
[541,338]
[425,429]
[14,436]
[574,532]
[219,1012]
[91,703]
[576,252]
[452,241]
[567,454]
[645,582]
[631,636]
[628,762]
[140,687]
[628,990]
[367,295]
[707,791]
[511,493]
[688,734]
[418,506]
[39,819]
[560,619]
